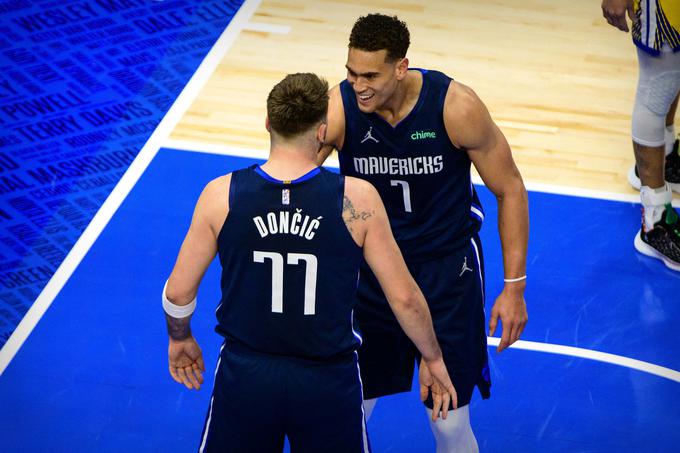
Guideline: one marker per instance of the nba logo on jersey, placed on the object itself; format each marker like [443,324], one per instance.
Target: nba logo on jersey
[285,196]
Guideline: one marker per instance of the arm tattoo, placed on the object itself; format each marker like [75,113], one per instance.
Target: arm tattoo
[178,328]
[349,214]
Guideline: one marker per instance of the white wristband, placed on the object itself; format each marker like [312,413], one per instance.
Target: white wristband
[513,280]
[177,311]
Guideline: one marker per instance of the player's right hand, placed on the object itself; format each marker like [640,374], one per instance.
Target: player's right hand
[434,377]
[185,360]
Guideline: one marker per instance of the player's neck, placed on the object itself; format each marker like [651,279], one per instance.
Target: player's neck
[288,162]
[404,99]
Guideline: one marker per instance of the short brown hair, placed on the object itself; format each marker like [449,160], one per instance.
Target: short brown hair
[297,103]
[376,32]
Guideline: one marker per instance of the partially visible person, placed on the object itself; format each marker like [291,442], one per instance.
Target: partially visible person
[290,238]
[656,33]
[413,134]
[672,163]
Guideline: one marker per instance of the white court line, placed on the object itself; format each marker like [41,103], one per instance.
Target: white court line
[226,150]
[210,148]
[614,359]
[267,28]
[126,183]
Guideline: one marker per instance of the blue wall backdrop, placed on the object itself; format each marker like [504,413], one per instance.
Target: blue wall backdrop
[83,84]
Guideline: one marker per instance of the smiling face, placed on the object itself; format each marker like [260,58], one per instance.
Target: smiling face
[374,79]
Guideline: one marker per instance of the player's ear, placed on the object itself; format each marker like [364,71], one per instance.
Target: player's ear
[266,124]
[321,132]
[401,68]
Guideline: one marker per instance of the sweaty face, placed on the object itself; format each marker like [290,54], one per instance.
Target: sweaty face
[372,79]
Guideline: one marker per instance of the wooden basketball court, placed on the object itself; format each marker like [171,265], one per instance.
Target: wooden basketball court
[558,80]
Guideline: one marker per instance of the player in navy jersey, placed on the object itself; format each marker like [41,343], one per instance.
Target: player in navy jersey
[413,134]
[289,237]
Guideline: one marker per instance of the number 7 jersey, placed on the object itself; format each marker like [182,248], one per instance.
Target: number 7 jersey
[289,266]
[423,179]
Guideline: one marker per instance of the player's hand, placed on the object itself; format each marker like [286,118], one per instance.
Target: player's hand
[615,13]
[186,362]
[512,311]
[434,377]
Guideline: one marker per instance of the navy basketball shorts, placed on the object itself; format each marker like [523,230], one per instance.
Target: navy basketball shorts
[259,399]
[453,286]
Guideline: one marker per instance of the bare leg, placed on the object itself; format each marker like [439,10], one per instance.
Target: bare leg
[670,117]
[650,161]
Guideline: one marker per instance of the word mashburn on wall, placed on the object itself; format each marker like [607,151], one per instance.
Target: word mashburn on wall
[83,84]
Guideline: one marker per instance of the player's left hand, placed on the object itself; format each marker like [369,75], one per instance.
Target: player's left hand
[434,377]
[185,361]
[511,308]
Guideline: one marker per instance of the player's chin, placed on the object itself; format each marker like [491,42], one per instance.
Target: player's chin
[367,107]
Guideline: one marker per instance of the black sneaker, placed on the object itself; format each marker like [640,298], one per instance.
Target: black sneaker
[662,241]
[673,167]
[672,170]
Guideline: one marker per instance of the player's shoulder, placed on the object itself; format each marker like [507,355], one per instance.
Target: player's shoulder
[360,191]
[218,187]
[358,184]
[335,132]
[461,100]
[335,104]
[334,92]
[214,200]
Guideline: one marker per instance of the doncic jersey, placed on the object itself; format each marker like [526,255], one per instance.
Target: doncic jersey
[289,266]
[423,179]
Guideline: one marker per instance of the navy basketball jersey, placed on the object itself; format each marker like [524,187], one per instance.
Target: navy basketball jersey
[423,179]
[289,266]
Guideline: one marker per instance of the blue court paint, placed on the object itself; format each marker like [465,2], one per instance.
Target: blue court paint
[82,87]
[93,375]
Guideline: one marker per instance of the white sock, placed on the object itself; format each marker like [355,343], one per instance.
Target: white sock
[669,136]
[454,435]
[654,203]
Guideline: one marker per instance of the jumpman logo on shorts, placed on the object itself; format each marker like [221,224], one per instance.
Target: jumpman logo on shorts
[464,268]
[369,136]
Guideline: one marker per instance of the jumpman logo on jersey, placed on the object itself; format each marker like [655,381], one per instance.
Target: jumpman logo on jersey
[464,268]
[369,136]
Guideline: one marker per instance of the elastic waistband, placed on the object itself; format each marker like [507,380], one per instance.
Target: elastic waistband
[238,347]
[415,252]
[453,248]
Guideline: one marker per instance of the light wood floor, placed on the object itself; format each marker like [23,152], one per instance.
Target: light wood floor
[558,80]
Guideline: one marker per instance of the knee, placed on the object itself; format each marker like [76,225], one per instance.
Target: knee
[652,103]
[455,433]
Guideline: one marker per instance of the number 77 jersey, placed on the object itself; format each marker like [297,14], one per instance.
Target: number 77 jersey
[423,179]
[289,266]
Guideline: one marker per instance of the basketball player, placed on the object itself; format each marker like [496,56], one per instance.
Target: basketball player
[656,33]
[290,250]
[412,133]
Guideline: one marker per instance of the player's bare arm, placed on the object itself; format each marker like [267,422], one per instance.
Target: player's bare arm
[470,127]
[615,13]
[367,221]
[335,132]
[185,359]
[352,217]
